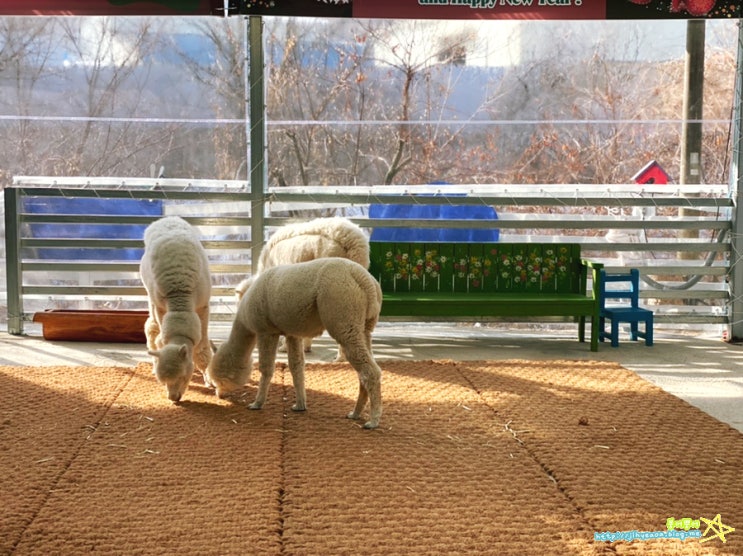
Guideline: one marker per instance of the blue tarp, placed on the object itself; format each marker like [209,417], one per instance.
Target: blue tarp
[434,212]
[81,230]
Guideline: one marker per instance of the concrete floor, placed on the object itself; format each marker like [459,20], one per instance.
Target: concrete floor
[704,371]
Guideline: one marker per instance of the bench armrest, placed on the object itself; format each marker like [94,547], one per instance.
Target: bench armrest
[595,275]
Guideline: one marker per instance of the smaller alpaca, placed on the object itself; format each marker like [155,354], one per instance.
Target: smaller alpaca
[305,241]
[175,272]
[301,300]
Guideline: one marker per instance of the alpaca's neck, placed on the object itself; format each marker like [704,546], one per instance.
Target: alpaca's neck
[241,340]
[179,339]
[182,327]
[179,303]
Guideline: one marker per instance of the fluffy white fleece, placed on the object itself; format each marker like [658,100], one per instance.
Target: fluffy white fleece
[175,272]
[306,241]
[321,237]
[302,300]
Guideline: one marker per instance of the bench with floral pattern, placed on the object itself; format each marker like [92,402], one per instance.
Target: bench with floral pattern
[436,281]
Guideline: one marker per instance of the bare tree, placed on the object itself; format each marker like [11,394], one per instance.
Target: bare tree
[89,93]
[424,60]
[220,71]
[107,55]
[623,110]
[349,102]
[25,51]
[311,80]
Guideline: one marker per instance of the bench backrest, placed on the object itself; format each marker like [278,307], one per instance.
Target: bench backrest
[478,267]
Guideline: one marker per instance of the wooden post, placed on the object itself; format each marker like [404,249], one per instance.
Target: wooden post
[735,279]
[257,137]
[691,138]
[13,260]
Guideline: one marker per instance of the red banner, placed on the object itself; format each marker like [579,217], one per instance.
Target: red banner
[547,9]
[481,9]
[106,7]
[392,9]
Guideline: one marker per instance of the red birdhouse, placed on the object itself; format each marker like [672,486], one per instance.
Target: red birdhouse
[651,173]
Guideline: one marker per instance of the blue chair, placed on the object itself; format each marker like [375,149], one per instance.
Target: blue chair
[632,313]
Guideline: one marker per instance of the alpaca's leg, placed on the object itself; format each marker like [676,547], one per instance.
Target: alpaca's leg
[295,353]
[368,334]
[159,317]
[151,332]
[360,401]
[267,344]
[152,327]
[371,378]
[341,357]
[307,345]
[203,350]
[370,381]
[282,344]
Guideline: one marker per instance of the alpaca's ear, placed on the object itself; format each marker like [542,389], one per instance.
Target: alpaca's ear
[183,352]
[153,353]
[213,346]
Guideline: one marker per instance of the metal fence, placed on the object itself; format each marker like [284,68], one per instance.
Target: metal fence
[63,259]
[678,237]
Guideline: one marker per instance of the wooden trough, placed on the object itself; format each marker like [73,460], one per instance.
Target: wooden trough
[93,325]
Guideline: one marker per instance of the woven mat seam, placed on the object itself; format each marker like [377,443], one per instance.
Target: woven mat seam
[523,445]
[282,455]
[105,409]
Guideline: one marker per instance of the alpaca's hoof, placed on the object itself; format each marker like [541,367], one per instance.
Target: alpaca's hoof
[255,405]
[371,424]
[296,407]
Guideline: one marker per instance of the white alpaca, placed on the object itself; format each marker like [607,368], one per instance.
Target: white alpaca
[305,241]
[175,273]
[302,300]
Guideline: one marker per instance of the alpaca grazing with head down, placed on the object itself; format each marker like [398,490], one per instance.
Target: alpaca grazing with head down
[306,241]
[301,300]
[175,272]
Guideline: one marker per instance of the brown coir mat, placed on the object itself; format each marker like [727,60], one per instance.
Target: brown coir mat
[506,457]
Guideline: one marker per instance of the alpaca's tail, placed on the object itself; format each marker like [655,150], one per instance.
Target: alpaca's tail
[359,253]
[372,290]
[242,287]
[353,241]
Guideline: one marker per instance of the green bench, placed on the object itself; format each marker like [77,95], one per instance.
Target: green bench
[435,281]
